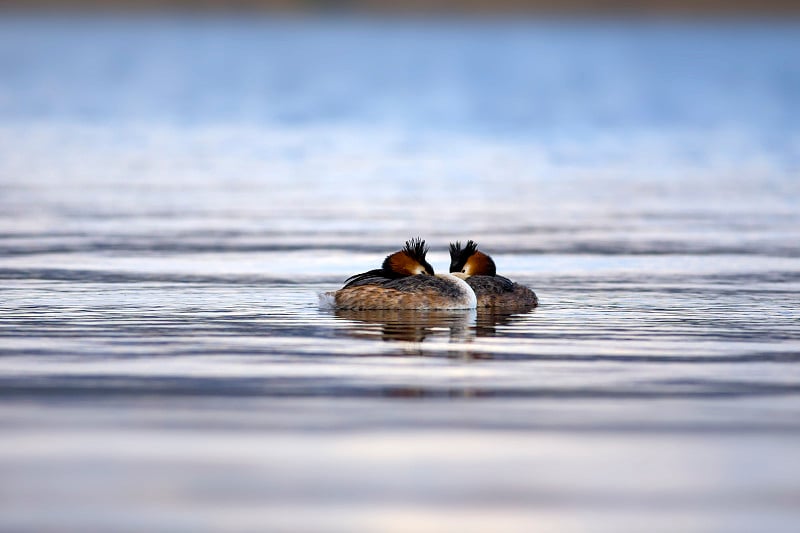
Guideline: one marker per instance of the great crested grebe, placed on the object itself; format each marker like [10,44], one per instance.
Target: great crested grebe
[405,281]
[480,272]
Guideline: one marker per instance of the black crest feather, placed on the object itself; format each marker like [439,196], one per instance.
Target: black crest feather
[416,249]
[459,255]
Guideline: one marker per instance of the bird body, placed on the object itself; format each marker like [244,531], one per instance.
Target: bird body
[441,291]
[492,291]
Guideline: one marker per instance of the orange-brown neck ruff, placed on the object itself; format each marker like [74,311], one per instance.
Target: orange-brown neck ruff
[480,264]
[402,264]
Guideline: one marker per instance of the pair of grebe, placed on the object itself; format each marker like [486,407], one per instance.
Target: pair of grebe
[407,281]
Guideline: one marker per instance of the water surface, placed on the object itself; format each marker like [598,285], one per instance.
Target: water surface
[176,192]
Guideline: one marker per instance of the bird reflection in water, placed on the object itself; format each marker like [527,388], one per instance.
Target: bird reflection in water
[487,320]
[409,325]
[421,325]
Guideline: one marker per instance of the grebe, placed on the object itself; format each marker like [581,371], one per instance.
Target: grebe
[480,272]
[405,281]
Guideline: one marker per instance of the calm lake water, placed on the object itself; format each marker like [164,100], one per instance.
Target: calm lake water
[176,191]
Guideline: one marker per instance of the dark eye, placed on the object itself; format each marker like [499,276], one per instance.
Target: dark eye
[464,271]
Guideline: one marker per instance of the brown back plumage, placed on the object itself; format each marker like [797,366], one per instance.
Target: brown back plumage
[411,292]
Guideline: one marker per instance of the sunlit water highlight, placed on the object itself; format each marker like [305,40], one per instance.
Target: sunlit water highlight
[174,195]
